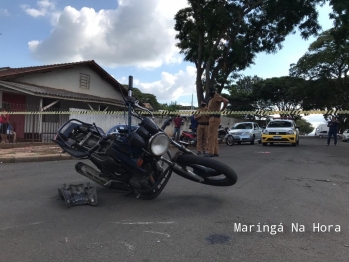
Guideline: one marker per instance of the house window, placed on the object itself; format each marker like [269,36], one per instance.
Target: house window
[54,118]
[6,106]
[84,81]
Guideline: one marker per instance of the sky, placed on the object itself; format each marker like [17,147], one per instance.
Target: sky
[125,37]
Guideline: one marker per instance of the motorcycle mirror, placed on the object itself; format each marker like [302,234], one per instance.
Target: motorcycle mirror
[166,123]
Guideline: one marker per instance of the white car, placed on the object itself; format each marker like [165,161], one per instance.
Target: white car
[244,132]
[345,136]
[281,131]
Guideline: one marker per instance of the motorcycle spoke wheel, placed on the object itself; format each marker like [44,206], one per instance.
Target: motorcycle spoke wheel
[212,172]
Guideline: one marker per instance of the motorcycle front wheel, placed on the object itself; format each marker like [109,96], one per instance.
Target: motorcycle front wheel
[229,141]
[211,172]
[159,182]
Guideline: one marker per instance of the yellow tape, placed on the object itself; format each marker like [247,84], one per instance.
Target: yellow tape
[183,112]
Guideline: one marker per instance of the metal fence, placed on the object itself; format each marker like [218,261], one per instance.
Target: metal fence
[29,126]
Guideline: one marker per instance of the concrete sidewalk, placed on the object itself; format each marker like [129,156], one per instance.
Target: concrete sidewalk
[31,152]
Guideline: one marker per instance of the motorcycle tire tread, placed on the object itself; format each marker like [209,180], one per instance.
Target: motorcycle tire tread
[230,175]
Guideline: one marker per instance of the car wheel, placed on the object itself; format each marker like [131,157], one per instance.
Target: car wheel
[252,141]
[259,141]
[264,144]
[297,142]
[230,141]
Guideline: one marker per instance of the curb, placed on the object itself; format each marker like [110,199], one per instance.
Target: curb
[49,157]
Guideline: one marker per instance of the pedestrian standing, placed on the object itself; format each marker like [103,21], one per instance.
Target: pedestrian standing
[193,124]
[215,106]
[177,127]
[333,129]
[4,119]
[202,129]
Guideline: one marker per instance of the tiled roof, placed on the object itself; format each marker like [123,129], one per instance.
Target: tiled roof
[7,73]
[57,93]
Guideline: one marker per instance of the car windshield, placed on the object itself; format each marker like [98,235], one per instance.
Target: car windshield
[280,124]
[243,126]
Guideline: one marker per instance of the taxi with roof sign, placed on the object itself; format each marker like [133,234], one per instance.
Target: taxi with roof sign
[281,131]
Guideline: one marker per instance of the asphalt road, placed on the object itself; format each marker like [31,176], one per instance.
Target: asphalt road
[277,184]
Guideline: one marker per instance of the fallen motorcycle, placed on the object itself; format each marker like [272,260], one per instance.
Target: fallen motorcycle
[188,138]
[222,132]
[138,162]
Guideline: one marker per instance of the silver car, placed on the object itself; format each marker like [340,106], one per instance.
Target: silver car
[244,132]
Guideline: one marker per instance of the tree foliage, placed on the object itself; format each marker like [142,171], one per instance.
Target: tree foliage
[326,66]
[147,98]
[324,59]
[282,93]
[304,126]
[340,16]
[222,36]
[242,98]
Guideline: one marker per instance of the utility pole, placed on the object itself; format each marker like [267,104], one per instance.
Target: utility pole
[192,101]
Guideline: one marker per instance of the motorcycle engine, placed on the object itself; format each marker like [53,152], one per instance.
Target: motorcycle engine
[139,181]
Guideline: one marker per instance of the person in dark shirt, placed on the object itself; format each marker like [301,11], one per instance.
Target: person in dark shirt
[177,127]
[333,125]
[193,123]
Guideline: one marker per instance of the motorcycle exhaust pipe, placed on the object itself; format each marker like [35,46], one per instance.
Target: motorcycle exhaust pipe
[92,174]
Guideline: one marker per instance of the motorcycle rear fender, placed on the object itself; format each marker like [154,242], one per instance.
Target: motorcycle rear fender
[66,128]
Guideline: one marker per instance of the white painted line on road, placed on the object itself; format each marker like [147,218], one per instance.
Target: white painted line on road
[141,223]
[262,152]
[31,224]
[129,246]
[158,233]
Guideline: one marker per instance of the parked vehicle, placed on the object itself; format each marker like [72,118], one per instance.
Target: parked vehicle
[137,161]
[222,132]
[281,131]
[244,132]
[188,138]
[345,136]
[322,130]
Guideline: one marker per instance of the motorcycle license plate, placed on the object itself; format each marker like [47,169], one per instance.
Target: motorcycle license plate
[277,137]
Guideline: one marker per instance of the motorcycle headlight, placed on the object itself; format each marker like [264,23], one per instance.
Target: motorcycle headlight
[290,132]
[158,144]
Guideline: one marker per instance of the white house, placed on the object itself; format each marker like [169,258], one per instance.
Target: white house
[56,87]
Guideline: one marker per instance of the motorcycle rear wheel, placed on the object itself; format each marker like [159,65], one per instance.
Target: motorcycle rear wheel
[213,172]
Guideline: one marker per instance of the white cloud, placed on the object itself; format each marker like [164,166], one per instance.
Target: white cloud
[4,12]
[315,120]
[45,7]
[171,86]
[137,33]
